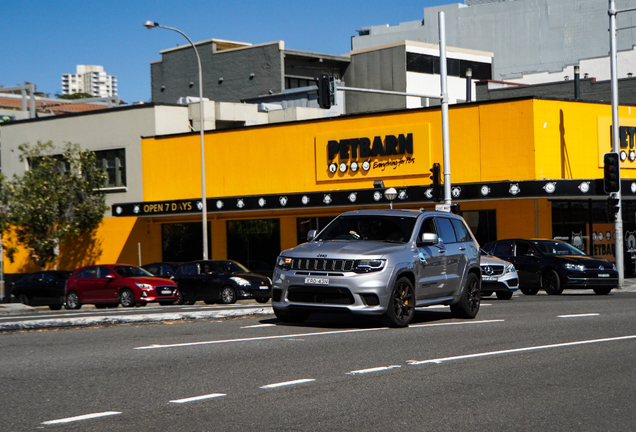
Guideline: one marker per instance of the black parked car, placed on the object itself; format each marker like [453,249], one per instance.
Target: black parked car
[554,265]
[45,288]
[162,269]
[220,281]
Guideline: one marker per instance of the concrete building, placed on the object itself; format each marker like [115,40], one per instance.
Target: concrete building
[278,78]
[413,68]
[532,40]
[89,79]
[236,71]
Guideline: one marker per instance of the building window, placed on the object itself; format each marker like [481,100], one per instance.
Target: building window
[483,224]
[254,243]
[429,64]
[181,242]
[114,163]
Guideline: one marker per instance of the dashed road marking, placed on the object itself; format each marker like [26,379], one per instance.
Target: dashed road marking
[287,383]
[82,417]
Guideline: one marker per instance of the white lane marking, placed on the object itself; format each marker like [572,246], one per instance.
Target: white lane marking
[259,325]
[198,398]
[456,323]
[577,315]
[82,417]
[517,350]
[288,383]
[155,346]
[371,370]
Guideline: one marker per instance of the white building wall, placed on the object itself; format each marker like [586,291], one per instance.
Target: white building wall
[90,79]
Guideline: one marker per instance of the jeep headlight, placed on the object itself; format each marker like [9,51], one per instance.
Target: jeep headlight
[284,263]
[240,281]
[369,265]
[574,267]
[510,269]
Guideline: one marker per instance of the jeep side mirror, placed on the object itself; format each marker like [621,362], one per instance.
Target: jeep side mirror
[311,235]
[429,239]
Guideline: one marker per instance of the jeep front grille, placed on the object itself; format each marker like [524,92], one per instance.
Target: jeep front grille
[321,295]
[321,264]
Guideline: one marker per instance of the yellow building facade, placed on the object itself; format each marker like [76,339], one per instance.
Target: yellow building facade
[519,168]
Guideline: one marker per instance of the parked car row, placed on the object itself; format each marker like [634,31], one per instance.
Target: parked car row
[109,285]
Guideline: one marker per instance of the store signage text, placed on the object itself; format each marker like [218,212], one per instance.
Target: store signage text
[167,207]
[355,148]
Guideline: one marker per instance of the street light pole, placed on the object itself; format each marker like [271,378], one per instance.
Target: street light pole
[204,209]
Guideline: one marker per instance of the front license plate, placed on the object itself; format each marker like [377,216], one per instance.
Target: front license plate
[263,287]
[488,278]
[603,275]
[166,292]
[317,281]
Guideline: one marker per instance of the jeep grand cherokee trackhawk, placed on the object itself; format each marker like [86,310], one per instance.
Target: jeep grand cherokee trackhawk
[383,263]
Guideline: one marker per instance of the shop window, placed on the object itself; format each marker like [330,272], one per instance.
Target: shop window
[483,224]
[306,224]
[254,243]
[182,242]
[114,163]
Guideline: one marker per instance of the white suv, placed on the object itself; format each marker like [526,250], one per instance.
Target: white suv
[383,263]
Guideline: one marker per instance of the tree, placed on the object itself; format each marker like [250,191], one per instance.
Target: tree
[74,96]
[56,200]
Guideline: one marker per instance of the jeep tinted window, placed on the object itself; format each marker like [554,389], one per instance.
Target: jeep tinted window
[461,231]
[369,227]
[446,231]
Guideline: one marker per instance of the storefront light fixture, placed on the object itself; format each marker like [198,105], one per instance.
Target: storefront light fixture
[204,211]
[390,194]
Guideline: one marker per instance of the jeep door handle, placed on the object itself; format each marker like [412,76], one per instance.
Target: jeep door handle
[462,248]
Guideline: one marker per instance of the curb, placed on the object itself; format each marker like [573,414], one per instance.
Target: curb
[129,319]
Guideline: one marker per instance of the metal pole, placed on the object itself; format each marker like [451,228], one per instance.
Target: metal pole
[204,205]
[618,222]
[469,84]
[444,97]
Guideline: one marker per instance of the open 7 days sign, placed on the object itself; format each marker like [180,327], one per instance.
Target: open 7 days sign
[373,153]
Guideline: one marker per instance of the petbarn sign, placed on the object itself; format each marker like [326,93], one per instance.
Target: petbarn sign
[373,153]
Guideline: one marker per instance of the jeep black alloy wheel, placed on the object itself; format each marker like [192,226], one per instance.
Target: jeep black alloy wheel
[470,299]
[401,304]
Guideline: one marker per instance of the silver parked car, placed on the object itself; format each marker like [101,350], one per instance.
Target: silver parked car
[383,263]
[498,276]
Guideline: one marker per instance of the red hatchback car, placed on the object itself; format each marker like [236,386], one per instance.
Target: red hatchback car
[112,284]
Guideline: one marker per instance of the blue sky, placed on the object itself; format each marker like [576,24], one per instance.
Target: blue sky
[43,39]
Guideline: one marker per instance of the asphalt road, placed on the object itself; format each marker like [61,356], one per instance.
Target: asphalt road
[540,363]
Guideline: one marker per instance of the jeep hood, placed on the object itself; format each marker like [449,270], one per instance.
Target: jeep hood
[344,249]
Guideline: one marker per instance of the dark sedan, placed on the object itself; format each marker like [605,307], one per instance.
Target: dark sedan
[554,265]
[45,288]
[220,281]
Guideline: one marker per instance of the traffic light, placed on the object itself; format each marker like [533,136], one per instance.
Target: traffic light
[326,91]
[437,187]
[613,205]
[611,173]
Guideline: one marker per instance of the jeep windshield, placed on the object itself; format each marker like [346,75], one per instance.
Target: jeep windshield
[393,229]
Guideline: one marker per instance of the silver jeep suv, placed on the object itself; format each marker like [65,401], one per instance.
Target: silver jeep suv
[383,263]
